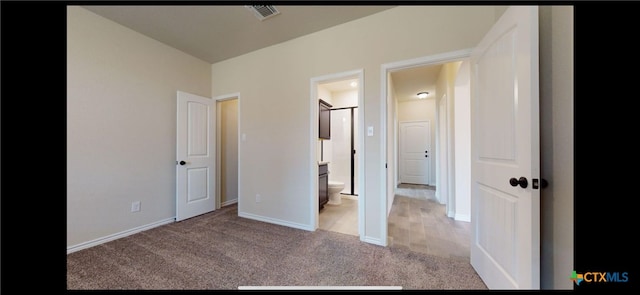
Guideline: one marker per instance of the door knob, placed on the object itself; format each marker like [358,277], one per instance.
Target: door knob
[522,182]
[183,162]
[426,156]
[426,152]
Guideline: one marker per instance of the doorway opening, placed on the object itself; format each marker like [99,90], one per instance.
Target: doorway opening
[402,81]
[227,146]
[339,154]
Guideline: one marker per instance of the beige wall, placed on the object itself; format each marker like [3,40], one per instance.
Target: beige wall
[417,110]
[275,156]
[121,125]
[343,99]
[556,148]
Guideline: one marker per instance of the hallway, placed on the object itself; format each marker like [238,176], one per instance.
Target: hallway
[419,223]
[416,222]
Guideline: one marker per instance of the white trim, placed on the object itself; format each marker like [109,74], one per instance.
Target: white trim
[384,70]
[362,216]
[442,178]
[227,96]
[384,211]
[229,202]
[313,138]
[463,217]
[314,219]
[375,241]
[426,60]
[277,221]
[122,234]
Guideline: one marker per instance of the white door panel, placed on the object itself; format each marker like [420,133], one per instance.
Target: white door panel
[505,242]
[415,152]
[195,156]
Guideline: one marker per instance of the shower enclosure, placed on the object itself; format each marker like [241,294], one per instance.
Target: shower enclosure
[344,147]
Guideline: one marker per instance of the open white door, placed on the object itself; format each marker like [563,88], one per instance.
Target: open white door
[195,156]
[505,219]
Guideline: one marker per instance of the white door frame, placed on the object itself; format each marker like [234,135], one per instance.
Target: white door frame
[442,150]
[218,179]
[385,70]
[313,151]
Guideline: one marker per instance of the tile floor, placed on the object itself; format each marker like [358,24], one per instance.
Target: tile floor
[416,222]
[341,218]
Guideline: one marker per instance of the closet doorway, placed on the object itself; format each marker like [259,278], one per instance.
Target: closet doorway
[227,146]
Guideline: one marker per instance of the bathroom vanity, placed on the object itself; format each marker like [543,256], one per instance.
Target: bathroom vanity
[323,184]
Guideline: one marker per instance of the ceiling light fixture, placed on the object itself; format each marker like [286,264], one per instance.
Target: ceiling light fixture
[354,84]
[422,95]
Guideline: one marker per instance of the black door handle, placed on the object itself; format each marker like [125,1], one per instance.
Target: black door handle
[426,152]
[183,162]
[522,182]
[426,156]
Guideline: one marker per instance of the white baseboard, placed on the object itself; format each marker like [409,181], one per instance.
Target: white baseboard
[276,221]
[374,241]
[370,240]
[463,217]
[119,235]
[451,214]
[228,202]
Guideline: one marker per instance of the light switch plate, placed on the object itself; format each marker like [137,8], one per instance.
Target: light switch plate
[370,131]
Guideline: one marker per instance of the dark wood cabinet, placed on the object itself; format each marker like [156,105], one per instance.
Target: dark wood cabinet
[323,185]
[324,129]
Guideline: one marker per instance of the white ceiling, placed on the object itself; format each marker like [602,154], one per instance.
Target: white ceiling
[215,33]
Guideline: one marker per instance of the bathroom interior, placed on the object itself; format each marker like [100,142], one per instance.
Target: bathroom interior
[337,159]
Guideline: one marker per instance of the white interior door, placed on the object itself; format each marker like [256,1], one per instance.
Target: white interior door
[505,241]
[195,156]
[415,152]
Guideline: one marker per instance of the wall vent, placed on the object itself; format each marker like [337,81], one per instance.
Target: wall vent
[263,12]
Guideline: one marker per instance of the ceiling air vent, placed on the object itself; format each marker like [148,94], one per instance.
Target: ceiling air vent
[263,11]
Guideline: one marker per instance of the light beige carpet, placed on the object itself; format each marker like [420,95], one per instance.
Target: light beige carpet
[220,250]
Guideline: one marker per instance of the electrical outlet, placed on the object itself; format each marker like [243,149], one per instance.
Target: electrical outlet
[258,198]
[135,206]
